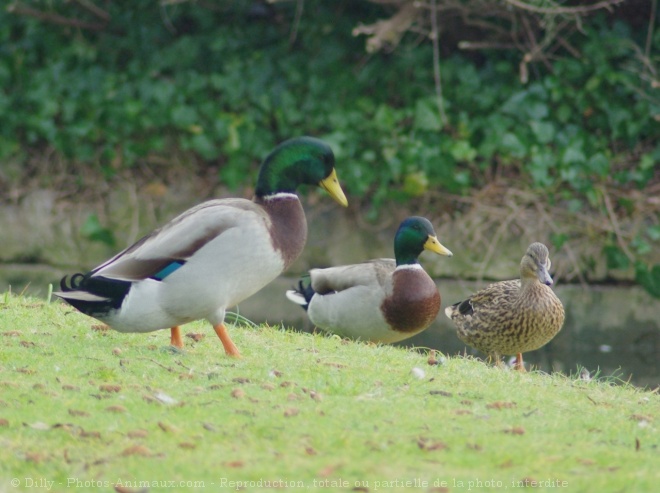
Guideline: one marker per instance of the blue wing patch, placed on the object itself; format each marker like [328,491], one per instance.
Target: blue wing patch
[167,270]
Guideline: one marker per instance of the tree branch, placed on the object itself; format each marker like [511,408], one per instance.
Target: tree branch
[649,34]
[94,9]
[20,9]
[436,64]
[605,4]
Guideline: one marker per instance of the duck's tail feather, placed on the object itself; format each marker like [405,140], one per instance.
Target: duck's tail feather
[93,295]
[297,298]
[460,309]
[303,294]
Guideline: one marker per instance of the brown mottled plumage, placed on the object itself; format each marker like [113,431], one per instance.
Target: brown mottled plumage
[512,317]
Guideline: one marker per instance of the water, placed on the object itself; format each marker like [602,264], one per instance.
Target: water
[608,330]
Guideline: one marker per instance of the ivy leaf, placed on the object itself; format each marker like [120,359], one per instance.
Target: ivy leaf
[415,184]
[599,164]
[463,151]
[615,258]
[558,239]
[573,155]
[426,117]
[543,131]
[653,232]
[94,231]
[648,277]
[513,144]
[537,110]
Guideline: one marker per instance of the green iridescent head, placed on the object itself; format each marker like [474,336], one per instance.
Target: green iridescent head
[299,161]
[416,234]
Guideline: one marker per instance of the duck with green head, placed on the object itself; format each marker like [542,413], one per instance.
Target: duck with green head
[512,317]
[212,256]
[381,300]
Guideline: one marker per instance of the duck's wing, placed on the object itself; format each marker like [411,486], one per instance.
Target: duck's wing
[495,297]
[375,273]
[166,249]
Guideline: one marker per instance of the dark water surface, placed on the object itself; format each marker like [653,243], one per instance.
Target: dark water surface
[609,330]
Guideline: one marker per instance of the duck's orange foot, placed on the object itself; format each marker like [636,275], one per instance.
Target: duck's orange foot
[175,337]
[519,365]
[230,347]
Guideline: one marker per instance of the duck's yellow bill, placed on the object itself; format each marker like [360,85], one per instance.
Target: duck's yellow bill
[332,186]
[434,245]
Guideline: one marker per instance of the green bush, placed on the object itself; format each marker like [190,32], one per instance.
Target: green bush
[227,86]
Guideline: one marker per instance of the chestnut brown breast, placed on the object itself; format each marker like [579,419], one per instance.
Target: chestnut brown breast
[288,228]
[414,302]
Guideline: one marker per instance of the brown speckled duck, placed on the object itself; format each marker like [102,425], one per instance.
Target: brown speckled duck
[381,300]
[512,317]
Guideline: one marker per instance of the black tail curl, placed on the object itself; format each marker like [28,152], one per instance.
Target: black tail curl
[112,290]
[76,282]
[305,288]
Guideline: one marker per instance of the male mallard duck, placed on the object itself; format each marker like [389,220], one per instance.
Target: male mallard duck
[512,317]
[381,300]
[212,256]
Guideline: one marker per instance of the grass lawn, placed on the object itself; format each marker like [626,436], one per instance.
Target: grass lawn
[87,409]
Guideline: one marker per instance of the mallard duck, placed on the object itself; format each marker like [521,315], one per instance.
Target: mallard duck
[512,317]
[212,256]
[381,300]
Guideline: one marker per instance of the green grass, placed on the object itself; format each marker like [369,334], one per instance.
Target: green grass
[81,405]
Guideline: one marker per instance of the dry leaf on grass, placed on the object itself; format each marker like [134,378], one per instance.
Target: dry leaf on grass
[238,393]
[116,409]
[235,464]
[501,405]
[168,428]
[137,450]
[430,445]
[35,457]
[90,434]
[123,489]
[443,393]
[76,412]
[139,433]
[109,388]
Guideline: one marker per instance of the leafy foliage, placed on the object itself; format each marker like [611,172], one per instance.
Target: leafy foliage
[225,85]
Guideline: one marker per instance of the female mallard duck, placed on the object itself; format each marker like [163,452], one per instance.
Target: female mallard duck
[212,256]
[382,300]
[512,317]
